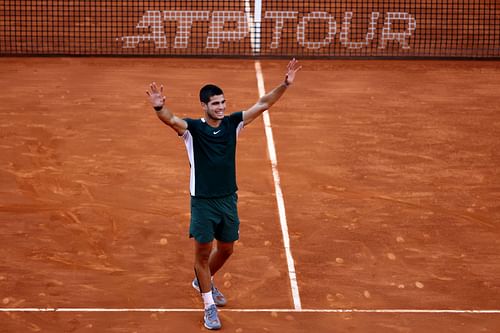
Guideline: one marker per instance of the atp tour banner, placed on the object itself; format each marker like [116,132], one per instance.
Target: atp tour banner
[324,28]
[243,25]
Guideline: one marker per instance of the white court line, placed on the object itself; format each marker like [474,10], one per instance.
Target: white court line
[254,23]
[279,194]
[401,311]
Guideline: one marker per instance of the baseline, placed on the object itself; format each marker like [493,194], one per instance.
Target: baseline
[424,311]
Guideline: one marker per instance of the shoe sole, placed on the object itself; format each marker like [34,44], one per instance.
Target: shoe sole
[212,328]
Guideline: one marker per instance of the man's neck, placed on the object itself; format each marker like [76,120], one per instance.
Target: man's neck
[213,122]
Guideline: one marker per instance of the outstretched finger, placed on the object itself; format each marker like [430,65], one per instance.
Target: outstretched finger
[154,88]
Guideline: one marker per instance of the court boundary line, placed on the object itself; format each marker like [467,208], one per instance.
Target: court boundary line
[173,310]
[279,193]
[254,22]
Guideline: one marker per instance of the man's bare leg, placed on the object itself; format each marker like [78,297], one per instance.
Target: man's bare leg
[219,256]
[201,266]
[202,271]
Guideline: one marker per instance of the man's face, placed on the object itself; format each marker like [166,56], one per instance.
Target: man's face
[216,107]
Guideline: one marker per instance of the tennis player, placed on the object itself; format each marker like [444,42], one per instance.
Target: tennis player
[211,146]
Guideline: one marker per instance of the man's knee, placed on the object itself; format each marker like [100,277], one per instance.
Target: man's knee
[225,249]
[202,252]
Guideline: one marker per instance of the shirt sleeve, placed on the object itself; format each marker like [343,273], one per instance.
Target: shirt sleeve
[236,121]
[191,126]
[190,122]
[236,118]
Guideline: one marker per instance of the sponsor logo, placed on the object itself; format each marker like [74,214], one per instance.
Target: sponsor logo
[234,26]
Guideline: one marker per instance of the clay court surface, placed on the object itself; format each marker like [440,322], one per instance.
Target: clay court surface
[390,177]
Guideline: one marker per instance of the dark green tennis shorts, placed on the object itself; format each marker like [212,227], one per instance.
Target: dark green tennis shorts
[215,218]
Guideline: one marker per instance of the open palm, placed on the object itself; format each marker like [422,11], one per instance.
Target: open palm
[155,94]
[291,69]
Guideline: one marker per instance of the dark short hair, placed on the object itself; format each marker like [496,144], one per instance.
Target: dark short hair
[208,91]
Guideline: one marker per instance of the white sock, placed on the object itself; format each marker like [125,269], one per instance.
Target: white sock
[207,299]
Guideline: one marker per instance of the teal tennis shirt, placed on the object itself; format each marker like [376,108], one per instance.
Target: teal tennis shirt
[212,155]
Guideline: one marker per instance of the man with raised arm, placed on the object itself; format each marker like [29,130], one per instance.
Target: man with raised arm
[211,146]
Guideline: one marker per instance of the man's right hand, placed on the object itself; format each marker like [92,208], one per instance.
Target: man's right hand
[156,96]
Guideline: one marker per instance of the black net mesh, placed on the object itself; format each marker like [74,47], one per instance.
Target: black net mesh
[271,28]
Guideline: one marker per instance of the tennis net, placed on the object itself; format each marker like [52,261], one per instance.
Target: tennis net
[267,28]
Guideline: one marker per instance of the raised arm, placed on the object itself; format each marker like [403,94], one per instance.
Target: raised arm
[266,101]
[157,100]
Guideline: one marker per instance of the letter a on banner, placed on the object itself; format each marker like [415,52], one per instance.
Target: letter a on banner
[153,20]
